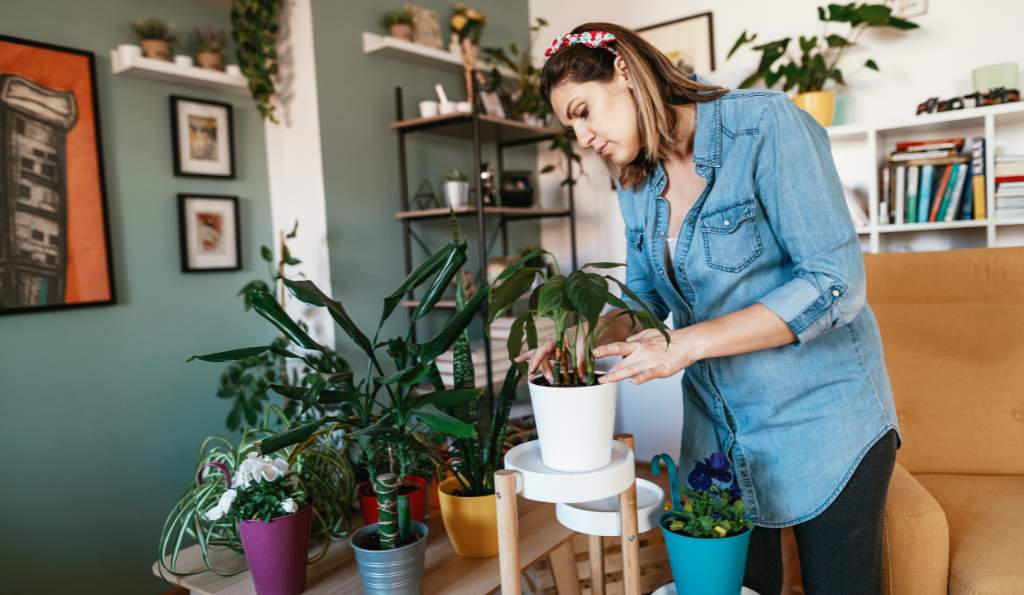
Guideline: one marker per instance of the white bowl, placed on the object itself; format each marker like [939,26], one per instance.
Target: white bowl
[428,108]
[183,60]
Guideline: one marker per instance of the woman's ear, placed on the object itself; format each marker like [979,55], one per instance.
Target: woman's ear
[622,71]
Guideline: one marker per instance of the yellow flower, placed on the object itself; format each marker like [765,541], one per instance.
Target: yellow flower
[721,532]
[458,22]
[474,14]
[688,507]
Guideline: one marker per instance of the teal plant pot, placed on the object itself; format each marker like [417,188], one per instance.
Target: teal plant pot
[706,566]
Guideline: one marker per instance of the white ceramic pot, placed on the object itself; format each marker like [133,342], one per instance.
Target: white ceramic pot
[456,193]
[129,51]
[233,70]
[575,425]
[183,60]
[428,108]
[447,107]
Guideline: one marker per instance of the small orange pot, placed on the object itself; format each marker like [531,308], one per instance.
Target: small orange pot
[210,60]
[471,522]
[156,48]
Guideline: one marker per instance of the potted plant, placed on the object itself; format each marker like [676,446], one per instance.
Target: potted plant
[254,28]
[398,23]
[205,515]
[155,37]
[708,535]
[210,44]
[455,185]
[385,413]
[574,304]
[819,56]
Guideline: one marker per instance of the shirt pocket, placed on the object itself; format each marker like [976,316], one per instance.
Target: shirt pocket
[731,237]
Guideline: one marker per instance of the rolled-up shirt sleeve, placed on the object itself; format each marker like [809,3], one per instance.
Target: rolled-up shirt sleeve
[804,205]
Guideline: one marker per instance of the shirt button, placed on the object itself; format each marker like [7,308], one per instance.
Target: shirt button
[726,222]
[835,292]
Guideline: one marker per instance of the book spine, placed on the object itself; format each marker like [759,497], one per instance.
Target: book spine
[913,179]
[958,191]
[901,186]
[925,192]
[940,192]
[947,195]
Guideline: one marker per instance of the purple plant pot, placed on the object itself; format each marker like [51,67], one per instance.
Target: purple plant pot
[276,552]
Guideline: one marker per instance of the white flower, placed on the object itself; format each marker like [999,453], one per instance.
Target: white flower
[289,505]
[222,507]
[257,468]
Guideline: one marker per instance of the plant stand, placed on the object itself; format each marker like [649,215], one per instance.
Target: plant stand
[525,474]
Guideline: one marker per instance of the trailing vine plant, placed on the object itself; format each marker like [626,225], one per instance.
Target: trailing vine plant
[254,27]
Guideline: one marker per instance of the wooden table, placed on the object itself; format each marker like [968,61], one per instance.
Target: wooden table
[444,571]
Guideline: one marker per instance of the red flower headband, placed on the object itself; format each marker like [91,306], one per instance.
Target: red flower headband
[593,39]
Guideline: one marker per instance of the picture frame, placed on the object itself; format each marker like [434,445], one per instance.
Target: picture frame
[517,188]
[55,248]
[203,138]
[209,235]
[688,41]
[492,104]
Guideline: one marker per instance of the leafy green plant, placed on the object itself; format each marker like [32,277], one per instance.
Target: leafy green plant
[713,506]
[254,27]
[454,175]
[321,465]
[574,303]
[396,17]
[819,57]
[211,40]
[154,29]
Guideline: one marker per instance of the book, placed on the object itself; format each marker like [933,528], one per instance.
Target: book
[1010,180]
[901,185]
[883,196]
[922,155]
[856,206]
[909,145]
[913,178]
[958,192]
[967,206]
[1009,201]
[947,194]
[1012,168]
[1009,191]
[940,192]
[977,146]
[924,193]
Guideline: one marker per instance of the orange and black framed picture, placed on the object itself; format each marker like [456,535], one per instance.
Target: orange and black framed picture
[204,143]
[54,231]
[208,228]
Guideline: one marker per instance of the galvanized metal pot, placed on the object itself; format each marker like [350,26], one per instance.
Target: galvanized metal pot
[391,572]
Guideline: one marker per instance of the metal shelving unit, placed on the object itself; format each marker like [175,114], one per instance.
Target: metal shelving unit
[478,129]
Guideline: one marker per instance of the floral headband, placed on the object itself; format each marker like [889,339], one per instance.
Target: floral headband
[592,39]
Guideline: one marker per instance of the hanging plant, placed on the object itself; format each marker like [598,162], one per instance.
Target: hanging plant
[254,26]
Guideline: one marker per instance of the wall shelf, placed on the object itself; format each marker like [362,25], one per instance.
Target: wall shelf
[506,212]
[393,47]
[504,131]
[169,72]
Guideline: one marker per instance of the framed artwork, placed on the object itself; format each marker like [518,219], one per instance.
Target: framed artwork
[208,230]
[689,42]
[54,233]
[204,138]
[492,104]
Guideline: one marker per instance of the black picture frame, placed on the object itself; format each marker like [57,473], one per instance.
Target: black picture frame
[518,188]
[180,168]
[701,15]
[186,267]
[101,184]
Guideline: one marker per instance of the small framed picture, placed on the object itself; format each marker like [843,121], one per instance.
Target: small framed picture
[209,236]
[517,188]
[492,104]
[204,139]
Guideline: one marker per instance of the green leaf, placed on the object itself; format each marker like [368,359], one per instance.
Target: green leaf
[408,376]
[456,324]
[308,292]
[552,296]
[294,231]
[837,41]
[874,15]
[871,64]
[440,421]
[547,169]
[244,353]
[268,308]
[456,258]
[586,292]
[326,396]
[901,24]
[514,344]
[742,39]
[267,253]
[446,398]
[279,441]
[808,43]
[511,290]
[603,265]
[416,278]
[519,264]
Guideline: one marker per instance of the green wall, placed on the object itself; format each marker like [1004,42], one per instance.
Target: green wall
[100,417]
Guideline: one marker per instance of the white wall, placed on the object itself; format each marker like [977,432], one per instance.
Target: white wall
[935,60]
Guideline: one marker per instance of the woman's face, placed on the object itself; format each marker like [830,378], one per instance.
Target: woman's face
[602,115]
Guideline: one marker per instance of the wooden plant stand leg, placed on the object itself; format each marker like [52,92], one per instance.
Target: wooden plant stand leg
[630,539]
[595,551]
[508,531]
[563,569]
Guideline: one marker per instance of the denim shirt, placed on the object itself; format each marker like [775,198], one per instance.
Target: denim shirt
[770,227]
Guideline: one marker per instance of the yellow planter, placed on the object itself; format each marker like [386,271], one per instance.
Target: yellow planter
[471,522]
[820,104]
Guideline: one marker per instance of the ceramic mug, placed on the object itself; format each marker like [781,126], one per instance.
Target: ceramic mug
[183,60]
[464,107]
[233,70]
[428,108]
[129,51]
[447,107]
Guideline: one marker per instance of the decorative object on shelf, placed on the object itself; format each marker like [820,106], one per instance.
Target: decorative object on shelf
[398,23]
[155,36]
[689,42]
[819,56]
[455,185]
[428,108]
[210,44]
[708,536]
[254,27]
[425,197]
[183,60]
[444,105]
[468,23]
[426,28]
[577,300]
[517,189]
[208,233]
[992,97]
[995,76]
[487,184]
[203,135]
[491,103]
[54,233]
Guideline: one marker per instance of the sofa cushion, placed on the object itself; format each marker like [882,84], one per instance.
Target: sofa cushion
[986,531]
[915,535]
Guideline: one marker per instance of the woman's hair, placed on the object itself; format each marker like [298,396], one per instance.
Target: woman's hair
[658,85]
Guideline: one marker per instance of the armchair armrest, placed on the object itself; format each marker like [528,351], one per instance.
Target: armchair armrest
[915,539]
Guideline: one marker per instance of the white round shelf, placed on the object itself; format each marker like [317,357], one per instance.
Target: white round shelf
[537,482]
[670,589]
[601,517]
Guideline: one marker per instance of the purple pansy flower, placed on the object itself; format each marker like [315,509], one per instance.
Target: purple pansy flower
[715,467]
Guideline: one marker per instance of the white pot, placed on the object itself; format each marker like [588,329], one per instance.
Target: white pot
[428,108]
[575,425]
[456,193]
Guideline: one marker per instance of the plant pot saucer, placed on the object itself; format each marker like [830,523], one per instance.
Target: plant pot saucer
[670,589]
[542,484]
[601,517]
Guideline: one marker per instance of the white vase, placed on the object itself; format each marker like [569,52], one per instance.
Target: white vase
[575,425]
[456,193]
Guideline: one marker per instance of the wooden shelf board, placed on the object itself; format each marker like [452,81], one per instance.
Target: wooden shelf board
[509,212]
[938,225]
[169,72]
[492,129]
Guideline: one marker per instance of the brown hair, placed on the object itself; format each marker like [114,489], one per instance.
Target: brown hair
[658,86]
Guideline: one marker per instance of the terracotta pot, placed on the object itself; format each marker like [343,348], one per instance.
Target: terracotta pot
[470,521]
[820,104]
[210,60]
[158,49]
[414,486]
[401,31]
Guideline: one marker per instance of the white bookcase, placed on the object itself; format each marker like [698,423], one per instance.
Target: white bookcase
[859,150]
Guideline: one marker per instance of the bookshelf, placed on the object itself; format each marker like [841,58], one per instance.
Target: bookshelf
[858,151]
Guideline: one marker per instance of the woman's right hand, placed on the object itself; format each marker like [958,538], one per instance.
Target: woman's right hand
[540,358]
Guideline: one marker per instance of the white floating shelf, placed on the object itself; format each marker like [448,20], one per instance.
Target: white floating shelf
[934,226]
[601,517]
[538,482]
[160,70]
[386,45]
[847,132]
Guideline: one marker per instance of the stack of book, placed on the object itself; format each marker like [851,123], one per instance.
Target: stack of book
[933,180]
[1009,186]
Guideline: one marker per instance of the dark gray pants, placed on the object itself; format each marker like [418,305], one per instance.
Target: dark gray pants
[841,548]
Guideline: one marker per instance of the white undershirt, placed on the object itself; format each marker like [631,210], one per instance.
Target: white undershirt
[670,250]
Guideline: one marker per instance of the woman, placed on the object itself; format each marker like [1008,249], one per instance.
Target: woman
[736,224]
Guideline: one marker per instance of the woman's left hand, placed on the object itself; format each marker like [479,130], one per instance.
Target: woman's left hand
[647,356]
